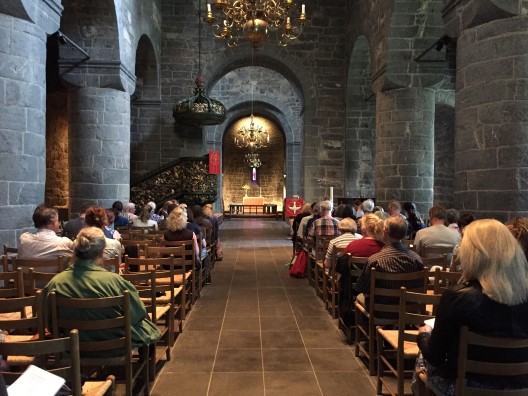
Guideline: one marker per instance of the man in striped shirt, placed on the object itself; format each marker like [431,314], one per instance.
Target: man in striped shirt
[348,228]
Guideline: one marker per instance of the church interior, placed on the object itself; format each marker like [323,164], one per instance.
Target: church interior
[133,100]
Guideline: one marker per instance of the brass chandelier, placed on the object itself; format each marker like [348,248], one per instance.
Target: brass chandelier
[253,160]
[255,19]
[252,137]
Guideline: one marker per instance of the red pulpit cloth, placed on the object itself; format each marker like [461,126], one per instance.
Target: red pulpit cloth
[214,162]
[293,206]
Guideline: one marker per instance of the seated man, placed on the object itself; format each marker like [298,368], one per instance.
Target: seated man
[326,225]
[393,257]
[437,234]
[44,243]
[72,227]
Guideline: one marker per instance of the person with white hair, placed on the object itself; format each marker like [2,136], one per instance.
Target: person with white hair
[153,215]
[326,225]
[129,211]
[348,229]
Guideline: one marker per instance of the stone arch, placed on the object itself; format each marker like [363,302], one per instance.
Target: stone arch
[360,123]
[145,133]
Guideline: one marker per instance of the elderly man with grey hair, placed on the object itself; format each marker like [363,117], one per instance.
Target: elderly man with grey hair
[326,225]
[348,229]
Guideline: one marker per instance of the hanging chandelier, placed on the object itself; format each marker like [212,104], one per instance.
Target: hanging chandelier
[252,137]
[256,19]
[253,160]
[199,109]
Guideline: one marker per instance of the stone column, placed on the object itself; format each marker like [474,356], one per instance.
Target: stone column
[405,146]
[22,124]
[99,135]
[491,160]
[293,164]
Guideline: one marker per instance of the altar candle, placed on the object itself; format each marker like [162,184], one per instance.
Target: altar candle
[332,195]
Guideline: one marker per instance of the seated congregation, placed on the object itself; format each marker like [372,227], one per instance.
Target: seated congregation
[114,288]
[384,275]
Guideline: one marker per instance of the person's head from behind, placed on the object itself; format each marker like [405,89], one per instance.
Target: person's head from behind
[96,217]
[367,206]
[348,211]
[325,208]
[46,217]
[118,205]
[197,211]
[394,208]
[316,210]
[394,229]
[410,209]
[347,225]
[452,216]
[464,220]
[130,208]
[372,226]
[437,214]
[177,219]
[306,208]
[518,226]
[111,215]
[144,216]
[490,254]
[84,208]
[89,244]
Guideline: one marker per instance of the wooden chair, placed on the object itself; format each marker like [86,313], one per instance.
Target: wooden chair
[65,363]
[445,279]
[189,260]
[440,261]
[384,286]
[145,229]
[54,266]
[34,278]
[330,283]
[435,251]
[102,353]
[409,243]
[316,263]
[469,340]
[160,311]
[346,298]
[9,252]
[395,347]
[112,264]
[181,280]
[13,284]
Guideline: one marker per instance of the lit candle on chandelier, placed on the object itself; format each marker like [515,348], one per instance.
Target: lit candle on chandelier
[303,9]
[208,7]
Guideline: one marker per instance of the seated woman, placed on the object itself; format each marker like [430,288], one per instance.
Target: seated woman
[85,278]
[347,227]
[144,219]
[492,300]
[97,217]
[518,226]
[371,243]
[177,229]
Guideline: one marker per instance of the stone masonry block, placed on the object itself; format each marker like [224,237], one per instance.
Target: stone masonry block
[476,159]
[25,193]
[513,156]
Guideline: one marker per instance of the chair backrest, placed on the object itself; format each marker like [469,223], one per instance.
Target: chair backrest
[321,245]
[169,247]
[385,293]
[14,318]
[408,243]
[54,265]
[496,346]
[11,284]
[34,278]
[435,251]
[440,261]
[97,336]
[148,264]
[145,229]
[67,347]
[413,312]
[445,279]
[112,264]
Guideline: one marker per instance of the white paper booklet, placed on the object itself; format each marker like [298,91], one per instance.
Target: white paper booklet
[36,382]
[430,322]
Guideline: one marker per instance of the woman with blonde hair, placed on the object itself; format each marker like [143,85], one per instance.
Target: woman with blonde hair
[144,219]
[177,229]
[492,299]
[372,231]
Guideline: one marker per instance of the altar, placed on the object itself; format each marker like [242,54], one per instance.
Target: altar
[253,200]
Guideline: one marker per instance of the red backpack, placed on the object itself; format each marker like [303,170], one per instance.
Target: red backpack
[298,267]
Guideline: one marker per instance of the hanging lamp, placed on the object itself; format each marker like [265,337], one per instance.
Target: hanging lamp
[199,109]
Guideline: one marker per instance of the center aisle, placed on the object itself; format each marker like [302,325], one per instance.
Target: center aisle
[256,331]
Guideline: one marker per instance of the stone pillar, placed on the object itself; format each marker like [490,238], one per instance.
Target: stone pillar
[491,160]
[99,135]
[22,124]
[293,164]
[405,146]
